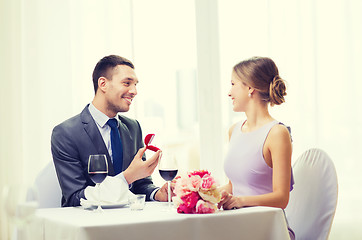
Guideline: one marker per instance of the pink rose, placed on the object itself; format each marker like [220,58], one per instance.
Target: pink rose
[182,186]
[205,207]
[207,182]
[189,202]
[200,173]
[213,196]
[195,182]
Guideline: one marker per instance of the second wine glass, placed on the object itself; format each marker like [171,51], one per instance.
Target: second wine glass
[168,170]
[98,171]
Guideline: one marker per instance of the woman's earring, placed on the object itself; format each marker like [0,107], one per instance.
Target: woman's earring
[249,94]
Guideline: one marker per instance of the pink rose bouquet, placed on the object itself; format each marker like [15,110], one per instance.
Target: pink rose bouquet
[196,192]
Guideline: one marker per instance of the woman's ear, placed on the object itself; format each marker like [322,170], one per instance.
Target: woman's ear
[251,90]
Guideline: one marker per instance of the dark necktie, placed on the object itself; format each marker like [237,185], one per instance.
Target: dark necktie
[116,144]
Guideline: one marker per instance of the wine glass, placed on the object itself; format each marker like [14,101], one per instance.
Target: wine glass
[98,171]
[20,203]
[168,171]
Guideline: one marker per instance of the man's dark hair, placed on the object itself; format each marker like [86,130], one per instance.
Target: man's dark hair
[105,66]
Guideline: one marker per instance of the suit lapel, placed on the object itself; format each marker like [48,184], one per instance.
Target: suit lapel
[95,136]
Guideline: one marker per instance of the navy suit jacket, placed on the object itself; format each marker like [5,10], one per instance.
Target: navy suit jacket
[78,137]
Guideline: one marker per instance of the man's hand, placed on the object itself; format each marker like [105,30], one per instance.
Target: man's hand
[140,169]
[162,194]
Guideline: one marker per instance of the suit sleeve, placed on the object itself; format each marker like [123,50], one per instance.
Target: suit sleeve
[68,166]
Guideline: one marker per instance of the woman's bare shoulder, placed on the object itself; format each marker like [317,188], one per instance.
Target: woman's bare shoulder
[231,129]
[279,132]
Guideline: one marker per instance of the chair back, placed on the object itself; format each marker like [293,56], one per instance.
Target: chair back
[313,200]
[47,188]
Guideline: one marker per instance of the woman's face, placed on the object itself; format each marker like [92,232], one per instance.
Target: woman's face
[239,93]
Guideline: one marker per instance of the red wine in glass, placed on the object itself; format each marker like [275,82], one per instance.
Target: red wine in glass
[97,171]
[97,177]
[167,167]
[168,175]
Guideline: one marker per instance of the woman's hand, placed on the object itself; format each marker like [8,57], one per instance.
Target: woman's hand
[228,201]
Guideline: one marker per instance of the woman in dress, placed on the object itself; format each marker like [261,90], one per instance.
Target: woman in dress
[258,163]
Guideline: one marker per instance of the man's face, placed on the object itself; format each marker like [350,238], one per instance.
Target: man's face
[121,89]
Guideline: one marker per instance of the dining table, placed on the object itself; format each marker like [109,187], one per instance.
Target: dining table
[157,221]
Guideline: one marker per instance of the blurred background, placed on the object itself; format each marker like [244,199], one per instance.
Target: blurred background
[183,52]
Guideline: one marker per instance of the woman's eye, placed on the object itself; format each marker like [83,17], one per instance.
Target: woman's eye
[126,83]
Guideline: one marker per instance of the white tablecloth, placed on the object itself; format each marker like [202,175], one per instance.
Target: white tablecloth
[154,223]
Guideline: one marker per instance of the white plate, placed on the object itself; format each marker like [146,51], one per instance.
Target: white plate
[118,205]
[109,206]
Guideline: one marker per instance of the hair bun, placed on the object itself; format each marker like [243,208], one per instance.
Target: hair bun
[277,91]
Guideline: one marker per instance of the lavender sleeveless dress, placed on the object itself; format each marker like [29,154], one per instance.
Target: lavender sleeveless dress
[245,165]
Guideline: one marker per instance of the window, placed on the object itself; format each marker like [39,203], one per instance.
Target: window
[165,63]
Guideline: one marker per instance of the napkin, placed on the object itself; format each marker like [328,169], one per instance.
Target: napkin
[113,191]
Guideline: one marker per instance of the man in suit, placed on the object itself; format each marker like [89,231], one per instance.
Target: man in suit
[88,133]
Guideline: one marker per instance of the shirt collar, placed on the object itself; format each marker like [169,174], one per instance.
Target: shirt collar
[99,117]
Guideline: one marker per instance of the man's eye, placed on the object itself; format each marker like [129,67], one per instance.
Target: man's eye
[126,83]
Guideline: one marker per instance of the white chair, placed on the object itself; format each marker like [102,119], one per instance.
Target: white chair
[47,188]
[313,201]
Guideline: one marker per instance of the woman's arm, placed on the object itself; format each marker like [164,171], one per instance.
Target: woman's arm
[227,188]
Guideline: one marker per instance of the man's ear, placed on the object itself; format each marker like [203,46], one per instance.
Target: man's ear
[102,84]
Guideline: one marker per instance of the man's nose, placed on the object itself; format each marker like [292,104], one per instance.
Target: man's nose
[133,90]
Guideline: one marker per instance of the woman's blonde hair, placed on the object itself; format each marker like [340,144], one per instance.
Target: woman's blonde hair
[262,74]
